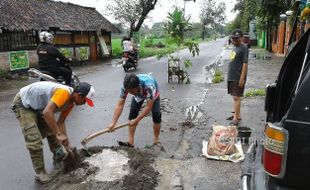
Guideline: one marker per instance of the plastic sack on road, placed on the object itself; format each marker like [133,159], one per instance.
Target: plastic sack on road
[223,144]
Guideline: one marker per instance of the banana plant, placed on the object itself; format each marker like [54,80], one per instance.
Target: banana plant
[175,27]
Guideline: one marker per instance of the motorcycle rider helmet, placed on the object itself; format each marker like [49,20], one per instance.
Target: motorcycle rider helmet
[46,37]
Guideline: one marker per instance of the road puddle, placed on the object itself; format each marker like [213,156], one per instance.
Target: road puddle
[193,114]
[209,73]
[219,61]
[110,164]
[117,63]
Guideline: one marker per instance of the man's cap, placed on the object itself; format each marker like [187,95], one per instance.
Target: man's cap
[237,33]
[88,91]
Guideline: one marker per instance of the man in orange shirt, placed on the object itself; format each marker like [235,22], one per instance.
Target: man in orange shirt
[35,106]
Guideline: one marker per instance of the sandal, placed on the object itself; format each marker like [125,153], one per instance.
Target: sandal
[231,118]
[157,144]
[127,144]
[234,123]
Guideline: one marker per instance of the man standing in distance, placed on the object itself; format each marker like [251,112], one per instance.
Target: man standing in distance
[237,73]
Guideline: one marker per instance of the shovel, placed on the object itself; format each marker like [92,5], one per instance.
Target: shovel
[72,161]
[69,156]
[98,133]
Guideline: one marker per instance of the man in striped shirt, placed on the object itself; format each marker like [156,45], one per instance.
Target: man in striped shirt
[142,87]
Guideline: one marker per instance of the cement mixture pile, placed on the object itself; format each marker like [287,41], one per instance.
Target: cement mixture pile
[109,168]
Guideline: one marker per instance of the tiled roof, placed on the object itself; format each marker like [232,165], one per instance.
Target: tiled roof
[45,14]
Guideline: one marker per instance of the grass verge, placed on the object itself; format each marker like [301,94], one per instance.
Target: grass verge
[255,92]
[218,77]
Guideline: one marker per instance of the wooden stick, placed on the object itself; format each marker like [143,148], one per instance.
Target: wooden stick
[98,133]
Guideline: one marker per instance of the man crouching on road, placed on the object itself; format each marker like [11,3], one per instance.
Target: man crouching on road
[143,87]
[35,106]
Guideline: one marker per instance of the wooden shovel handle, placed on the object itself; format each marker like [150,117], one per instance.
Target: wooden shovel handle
[93,135]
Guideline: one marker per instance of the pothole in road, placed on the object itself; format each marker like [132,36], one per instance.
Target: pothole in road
[111,165]
[117,168]
[117,63]
[165,106]
[193,114]
[209,72]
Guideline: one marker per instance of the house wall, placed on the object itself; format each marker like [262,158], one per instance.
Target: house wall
[5,62]
[283,34]
[69,44]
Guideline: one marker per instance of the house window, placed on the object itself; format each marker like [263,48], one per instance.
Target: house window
[18,40]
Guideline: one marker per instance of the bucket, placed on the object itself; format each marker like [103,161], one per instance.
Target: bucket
[244,134]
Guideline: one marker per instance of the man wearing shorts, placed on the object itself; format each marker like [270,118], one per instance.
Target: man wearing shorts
[35,106]
[237,72]
[143,87]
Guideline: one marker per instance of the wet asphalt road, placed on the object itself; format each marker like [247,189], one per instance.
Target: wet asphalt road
[15,165]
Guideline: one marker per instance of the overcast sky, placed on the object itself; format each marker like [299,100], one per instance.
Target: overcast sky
[159,14]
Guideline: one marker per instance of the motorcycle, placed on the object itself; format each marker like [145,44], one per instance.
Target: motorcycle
[43,75]
[130,60]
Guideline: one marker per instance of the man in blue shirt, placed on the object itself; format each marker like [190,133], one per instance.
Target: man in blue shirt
[143,87]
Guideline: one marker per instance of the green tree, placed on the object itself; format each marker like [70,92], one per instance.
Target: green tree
[175,28]
[211,15]
[145,31]
[176,25]
[131,13]
[266,12]
[269,12]
[195,32]
[120,27]
[247,11]
[158,30]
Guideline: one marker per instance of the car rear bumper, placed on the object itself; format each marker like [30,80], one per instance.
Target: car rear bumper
[247,167]
[253,176]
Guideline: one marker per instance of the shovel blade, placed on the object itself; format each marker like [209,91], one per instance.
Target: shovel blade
[72,161]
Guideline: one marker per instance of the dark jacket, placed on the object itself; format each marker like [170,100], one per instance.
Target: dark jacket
[49,56]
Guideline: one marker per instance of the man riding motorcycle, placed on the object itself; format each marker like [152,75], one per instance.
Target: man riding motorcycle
[129,48]
[51,60]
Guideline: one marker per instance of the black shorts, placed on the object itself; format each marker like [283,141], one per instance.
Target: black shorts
[136,106]
[234,88]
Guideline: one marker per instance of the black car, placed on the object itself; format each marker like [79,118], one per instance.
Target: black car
[281,160]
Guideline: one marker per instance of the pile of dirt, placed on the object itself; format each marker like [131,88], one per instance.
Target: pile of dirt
[141,173]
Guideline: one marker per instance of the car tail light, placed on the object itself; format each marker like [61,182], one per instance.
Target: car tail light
[275,150]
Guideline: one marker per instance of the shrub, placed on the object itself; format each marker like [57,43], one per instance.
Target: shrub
[160,45]
[117,52]
[217,77]
[255,92]
[148,42]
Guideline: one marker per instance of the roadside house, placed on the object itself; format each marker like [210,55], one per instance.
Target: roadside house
[81,33]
